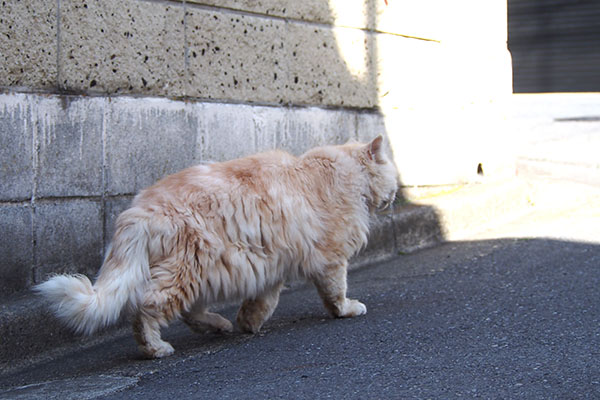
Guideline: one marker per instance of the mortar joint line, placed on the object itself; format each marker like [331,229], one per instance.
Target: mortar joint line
[104,189]
[35,160]
[186,50]
[321,24]
[58,45]
[192,99]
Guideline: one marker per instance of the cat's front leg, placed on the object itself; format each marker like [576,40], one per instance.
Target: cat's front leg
[331,285]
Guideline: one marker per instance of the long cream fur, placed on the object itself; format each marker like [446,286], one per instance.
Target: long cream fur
[232,230]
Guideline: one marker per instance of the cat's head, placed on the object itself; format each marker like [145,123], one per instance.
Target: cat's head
[383,177]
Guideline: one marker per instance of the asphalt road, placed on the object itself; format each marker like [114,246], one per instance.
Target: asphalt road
[510,318]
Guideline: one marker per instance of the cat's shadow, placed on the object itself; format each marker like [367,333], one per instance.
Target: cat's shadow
[187,342]
[289,315]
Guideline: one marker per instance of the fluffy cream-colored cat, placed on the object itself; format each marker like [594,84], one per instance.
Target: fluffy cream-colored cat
[232,230]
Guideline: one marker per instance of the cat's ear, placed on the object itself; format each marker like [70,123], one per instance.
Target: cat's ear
[374,149]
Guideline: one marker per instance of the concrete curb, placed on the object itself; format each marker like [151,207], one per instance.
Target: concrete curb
[29,332]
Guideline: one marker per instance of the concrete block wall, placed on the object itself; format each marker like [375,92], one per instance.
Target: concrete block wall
[100,98]
[71,164]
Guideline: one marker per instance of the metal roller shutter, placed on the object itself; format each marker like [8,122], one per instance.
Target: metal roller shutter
[555,45]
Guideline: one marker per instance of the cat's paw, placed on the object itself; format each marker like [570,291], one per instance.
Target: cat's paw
[208,322]
[249,325]
[225,326]
[354,308]
[162,349]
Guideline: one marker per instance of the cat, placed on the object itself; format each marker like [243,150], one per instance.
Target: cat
[232,230]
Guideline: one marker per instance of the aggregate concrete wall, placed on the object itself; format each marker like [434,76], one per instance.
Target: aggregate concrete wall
[100,98]
[182,49]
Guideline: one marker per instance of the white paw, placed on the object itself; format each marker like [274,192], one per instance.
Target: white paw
[164,349]
[354,308]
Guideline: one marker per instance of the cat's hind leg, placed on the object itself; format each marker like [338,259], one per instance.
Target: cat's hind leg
[200,320]
[255,312]
[331,285]
[161,305]
[146,331]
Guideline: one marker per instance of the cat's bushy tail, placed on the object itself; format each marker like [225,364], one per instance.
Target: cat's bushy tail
[84,307]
